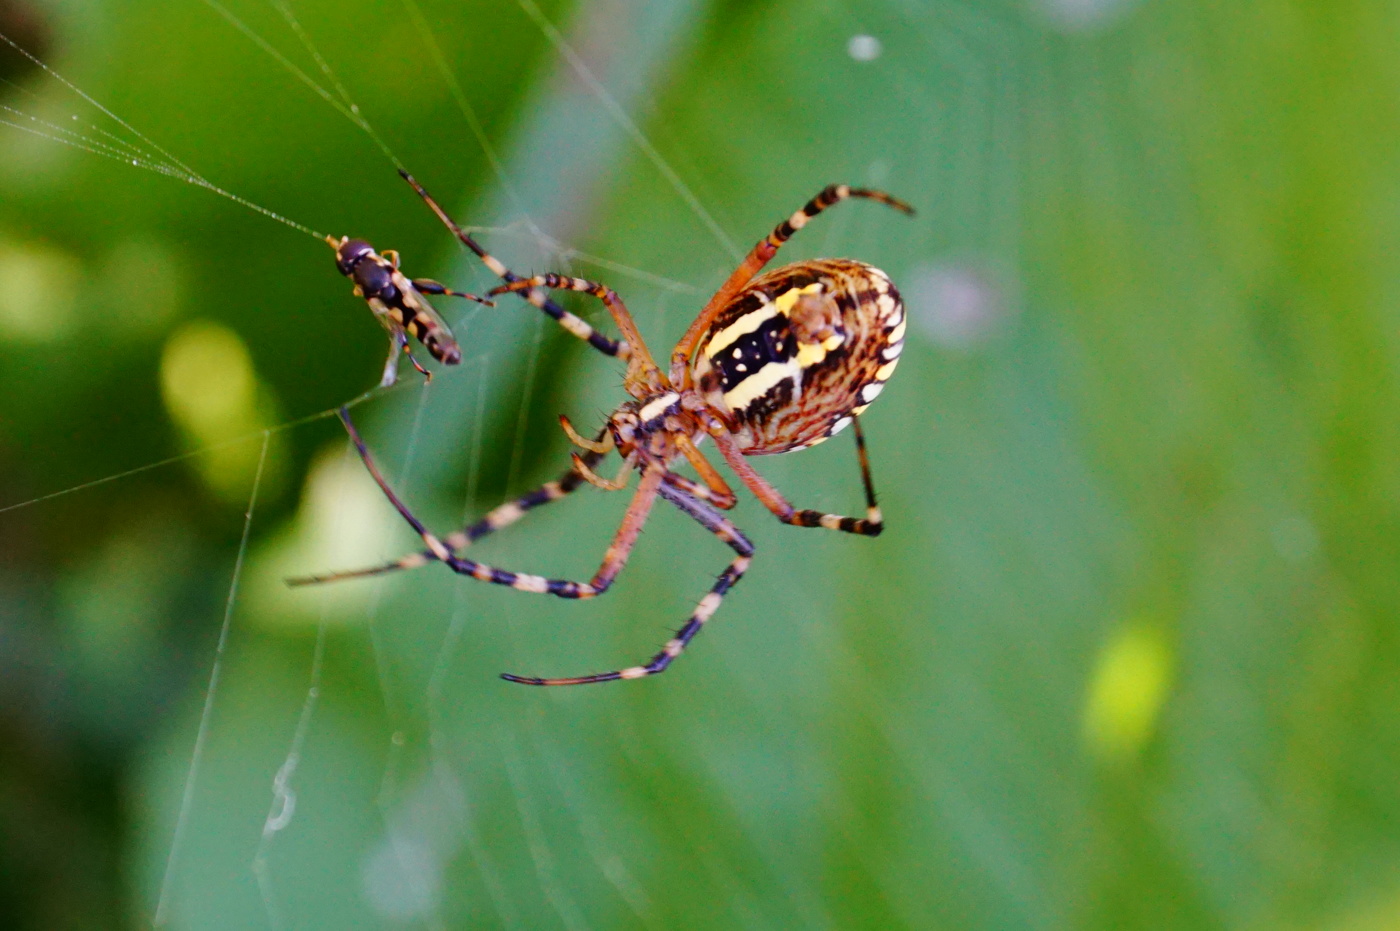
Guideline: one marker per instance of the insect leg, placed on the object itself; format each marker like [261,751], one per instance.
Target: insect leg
[397,343]
[429,286]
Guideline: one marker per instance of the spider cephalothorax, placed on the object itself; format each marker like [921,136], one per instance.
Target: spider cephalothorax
[773,363]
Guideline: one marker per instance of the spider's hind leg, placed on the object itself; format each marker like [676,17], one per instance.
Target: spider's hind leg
[868,526]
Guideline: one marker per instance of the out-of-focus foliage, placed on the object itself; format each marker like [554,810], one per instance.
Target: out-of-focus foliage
[1124,657]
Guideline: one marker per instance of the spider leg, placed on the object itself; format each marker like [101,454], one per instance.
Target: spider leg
[614,559]
[621,315]
[868,526]
[714,490]
[497,518]
[759,256]
[721,527]
[699,490]
[570,322]
[429,286]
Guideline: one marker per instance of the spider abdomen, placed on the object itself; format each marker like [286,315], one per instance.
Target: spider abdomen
[800,351]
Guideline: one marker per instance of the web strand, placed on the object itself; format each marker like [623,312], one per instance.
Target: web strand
[108,113]
[171,167]
[206,716]
[203,450]
[284,797]
[352,109]
[620,116]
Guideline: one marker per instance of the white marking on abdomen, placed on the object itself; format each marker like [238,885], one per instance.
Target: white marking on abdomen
[761,382]
[745,325]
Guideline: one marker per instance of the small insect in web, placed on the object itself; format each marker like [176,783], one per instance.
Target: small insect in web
[772,364]
[399,304]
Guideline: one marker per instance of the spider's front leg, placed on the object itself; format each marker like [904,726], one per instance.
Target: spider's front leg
[639,359]
[438,549]
[575,325]
[759,256]
[734,538]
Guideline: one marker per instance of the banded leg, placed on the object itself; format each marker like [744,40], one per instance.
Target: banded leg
[613,560]
[398,343]
[869,526]
[639,357]
[429,286]
[575,325]
[759,256]
[498,518]
[715,490]
[700,490]
[721,527]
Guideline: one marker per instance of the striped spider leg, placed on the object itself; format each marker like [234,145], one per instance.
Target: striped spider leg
[570,322]
[497,518]
[773,500]
[719,525]
[439,548]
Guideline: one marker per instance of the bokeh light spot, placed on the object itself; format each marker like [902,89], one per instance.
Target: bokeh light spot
[864,48]
[960,305]
[206,378]
[211,391]
[343,522]
[1128,690]
[1084,15]
[38,293]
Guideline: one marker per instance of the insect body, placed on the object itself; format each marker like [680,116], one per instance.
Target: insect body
[772,364]
[399,303]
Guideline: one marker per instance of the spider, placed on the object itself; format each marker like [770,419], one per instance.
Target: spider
[772,364]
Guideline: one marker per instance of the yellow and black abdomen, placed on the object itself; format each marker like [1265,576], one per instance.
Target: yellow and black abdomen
[801,351]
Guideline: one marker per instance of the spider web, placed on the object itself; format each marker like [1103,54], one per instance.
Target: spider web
[436,854]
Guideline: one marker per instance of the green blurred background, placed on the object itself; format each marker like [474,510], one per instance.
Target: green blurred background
[1126,655]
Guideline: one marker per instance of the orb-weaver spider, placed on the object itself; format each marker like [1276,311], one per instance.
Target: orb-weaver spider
[772,364]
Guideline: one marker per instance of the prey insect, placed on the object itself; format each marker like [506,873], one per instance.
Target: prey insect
[774,363]
[400,304]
